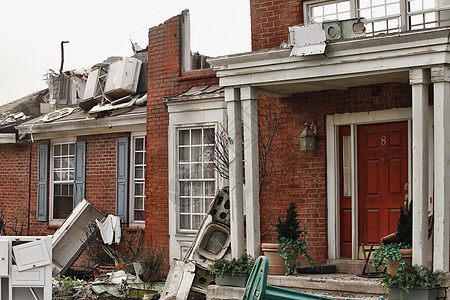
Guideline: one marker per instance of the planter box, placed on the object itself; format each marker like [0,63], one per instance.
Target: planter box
[238,280]
[417,293]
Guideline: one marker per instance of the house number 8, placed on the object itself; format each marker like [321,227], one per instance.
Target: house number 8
[383,140]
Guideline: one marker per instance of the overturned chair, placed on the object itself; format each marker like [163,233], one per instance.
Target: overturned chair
[258,289]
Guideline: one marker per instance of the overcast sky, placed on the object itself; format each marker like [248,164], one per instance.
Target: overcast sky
[31,32]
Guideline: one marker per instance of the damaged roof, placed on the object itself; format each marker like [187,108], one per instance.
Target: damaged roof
[197,93]
[18,111]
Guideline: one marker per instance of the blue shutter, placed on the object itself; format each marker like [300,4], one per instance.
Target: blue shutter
[122,178]
[41,214]
[79,184]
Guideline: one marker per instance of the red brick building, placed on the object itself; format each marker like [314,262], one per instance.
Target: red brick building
[376,99]
[378,102]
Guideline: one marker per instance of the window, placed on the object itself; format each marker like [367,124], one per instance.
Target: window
[63,179]
[383,16]
[196,176]
[137,199]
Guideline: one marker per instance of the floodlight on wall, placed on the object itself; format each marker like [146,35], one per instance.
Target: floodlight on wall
[308,137]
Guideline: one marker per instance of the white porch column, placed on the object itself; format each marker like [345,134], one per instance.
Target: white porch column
[440,76]
[232,97]
[419,80]
[249,98]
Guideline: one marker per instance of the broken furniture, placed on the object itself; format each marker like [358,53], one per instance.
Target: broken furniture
[68,240]
[25,267]
[258,289]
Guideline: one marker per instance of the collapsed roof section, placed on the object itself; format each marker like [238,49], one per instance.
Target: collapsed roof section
[20,110]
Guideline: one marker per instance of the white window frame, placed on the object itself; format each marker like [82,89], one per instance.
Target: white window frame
[183,114]
[133,137]
[53,221]
[202,180]
[403,15]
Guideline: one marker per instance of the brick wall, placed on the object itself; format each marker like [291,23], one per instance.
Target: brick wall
[270,20]
[301,175]
[15,185]
[164,79]
[101,170]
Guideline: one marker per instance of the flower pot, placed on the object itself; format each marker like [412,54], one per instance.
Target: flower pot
[228,279]
[276,262]
[393,265]
[416,293]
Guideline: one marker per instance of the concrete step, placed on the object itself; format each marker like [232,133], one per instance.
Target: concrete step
[334,286]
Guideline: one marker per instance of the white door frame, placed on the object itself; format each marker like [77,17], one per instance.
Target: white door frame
[352,119]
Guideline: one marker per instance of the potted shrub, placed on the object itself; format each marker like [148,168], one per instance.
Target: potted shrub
[233,272]
[283,257]
[397,254]
[413,282]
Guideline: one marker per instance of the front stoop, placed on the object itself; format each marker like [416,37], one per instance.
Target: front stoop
[334,286]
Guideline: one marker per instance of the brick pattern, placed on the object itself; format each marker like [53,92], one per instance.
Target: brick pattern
[15,185]
[301,175]
[270,20]
[164,79]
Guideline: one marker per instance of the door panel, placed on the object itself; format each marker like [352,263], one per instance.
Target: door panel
[382,174]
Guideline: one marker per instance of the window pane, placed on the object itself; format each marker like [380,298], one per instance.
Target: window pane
[185,188]
[329,9]
[209,171]
[138,203]
[210,188]
[197,221]
[184,171]
[197,189]
[196,135]
[184,222]
[65,162]
[197,205]
[196,171]
[57,150]
[64,149]
[364,3]
[139,215]
[139,173]
[346,165]
[71,175]
[209,136]
[184,154]
[184,137]
[63,200]
[185,205]
[139,189]
[139,144]
[196,153]
[72,149]
[139,158]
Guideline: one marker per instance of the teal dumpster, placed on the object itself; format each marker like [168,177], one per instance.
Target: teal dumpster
[258,289]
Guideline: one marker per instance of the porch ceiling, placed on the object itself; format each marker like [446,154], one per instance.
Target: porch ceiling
[346,63]
[288,89]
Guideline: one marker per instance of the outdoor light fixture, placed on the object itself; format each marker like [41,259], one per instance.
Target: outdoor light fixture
[308,137]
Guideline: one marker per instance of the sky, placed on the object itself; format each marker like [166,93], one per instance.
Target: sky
[31,32]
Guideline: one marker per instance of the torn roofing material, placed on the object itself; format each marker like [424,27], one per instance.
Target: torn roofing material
[197,92]
[18,111]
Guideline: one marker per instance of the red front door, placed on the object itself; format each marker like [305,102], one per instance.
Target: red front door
[382,178]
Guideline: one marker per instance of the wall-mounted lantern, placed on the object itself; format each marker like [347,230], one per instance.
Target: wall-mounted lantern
[308,137]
